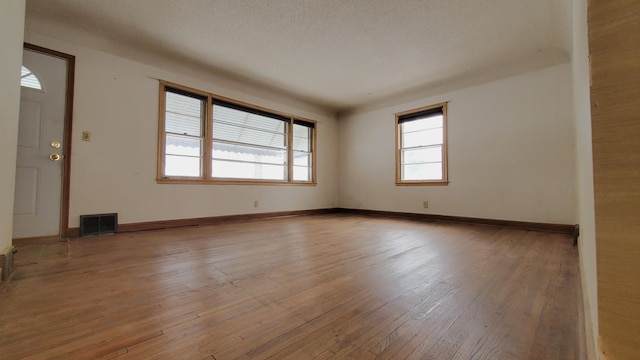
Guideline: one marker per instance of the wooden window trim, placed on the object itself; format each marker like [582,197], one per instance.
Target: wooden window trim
[445,168]
[207,178]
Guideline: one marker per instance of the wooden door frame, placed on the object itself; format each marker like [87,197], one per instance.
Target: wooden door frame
[68,122]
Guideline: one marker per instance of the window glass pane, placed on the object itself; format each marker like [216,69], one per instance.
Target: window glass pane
[427,123]
[302,138]
[301,131]
[431,171]
[422,137]
[247,119]
[224,151]
[301,159]
[301,173]
[423,155]
[180,145]
[177,165]
[245,170]
[248,145]
[183,124]
[183,114]
[30,80]
[238,134]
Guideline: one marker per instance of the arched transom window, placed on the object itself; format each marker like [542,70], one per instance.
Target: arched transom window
[30,80]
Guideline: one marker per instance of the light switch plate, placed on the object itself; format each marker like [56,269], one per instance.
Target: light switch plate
[86,136]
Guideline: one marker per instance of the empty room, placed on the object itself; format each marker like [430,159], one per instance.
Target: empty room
[293,179]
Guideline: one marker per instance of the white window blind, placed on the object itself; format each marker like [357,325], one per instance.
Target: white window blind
[248,144]
[302,151]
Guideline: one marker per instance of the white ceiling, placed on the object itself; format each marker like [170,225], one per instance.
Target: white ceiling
[338,54]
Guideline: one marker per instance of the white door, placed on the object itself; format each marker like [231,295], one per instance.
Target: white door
[39,169]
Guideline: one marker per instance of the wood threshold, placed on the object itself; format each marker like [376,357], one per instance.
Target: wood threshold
[556,228]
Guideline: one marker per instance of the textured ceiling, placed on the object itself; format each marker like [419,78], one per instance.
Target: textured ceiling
[339,54]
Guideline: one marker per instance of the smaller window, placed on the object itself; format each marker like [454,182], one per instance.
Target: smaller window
[184,135]
[30,80]
[302,150]
[421,146]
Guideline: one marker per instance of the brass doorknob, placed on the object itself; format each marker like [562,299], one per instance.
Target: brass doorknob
[55,157]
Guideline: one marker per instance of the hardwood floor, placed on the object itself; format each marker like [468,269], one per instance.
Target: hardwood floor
[315,287]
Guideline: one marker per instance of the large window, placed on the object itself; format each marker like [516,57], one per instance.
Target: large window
[421,146]
[209,139]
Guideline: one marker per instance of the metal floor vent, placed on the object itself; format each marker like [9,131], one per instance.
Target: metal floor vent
[98,224]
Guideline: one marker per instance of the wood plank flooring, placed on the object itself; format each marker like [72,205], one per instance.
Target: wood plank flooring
[331,286]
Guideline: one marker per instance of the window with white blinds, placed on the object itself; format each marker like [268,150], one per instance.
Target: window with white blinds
[209,139]
[184,135]
[421,157]
[302,153]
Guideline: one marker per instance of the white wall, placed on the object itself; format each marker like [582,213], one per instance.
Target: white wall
[511,145]
[586,212]
[511,153]
[117,100]
[11,35]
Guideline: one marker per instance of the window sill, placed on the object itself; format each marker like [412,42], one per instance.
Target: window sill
[422,183]
[231,182]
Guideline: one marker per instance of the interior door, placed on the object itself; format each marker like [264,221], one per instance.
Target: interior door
[39,166]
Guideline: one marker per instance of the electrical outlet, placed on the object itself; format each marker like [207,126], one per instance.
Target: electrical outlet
[255,204]
[86,136]
[425,204]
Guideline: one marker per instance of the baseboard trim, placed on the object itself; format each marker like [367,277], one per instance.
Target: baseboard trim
[203,221]
[556,228]
[6,262]
[35,240]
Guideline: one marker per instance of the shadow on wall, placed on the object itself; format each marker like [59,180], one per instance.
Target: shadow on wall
[351,202]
